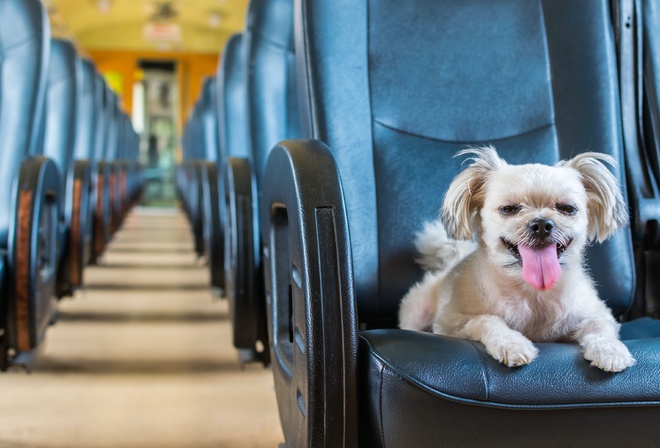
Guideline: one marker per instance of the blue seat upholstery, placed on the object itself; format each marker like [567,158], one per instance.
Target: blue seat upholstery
[63,95]
[197,155]
[232,115]
[124,166]
[272,115]
[130,168]
[210,177]
[186,170]
[86,130]
[24,49]
[84,148]
[230,129]
[395,89]
[30,188]
[63,120]
[136,170]
[110,156]
[100,202]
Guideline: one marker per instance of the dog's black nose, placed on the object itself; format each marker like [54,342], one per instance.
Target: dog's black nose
[541,227]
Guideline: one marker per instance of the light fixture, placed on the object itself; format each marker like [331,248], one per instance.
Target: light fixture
[104,6]
[214,19]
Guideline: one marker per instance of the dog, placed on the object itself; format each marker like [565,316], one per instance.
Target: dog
[505,261]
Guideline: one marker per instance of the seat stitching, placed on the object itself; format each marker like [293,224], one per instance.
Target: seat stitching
[270,42]
[20,43]
[426,137]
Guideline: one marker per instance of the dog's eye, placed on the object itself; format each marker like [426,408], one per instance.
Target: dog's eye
[566,209]
[510,210]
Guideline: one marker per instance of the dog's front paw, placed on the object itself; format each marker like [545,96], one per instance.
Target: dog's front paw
[513,350]
[610,355]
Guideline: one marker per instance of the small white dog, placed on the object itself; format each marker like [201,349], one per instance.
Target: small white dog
[523,279]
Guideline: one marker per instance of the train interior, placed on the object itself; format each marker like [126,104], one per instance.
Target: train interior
[208,214]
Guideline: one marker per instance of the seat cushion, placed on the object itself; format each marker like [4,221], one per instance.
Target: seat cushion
[434,389]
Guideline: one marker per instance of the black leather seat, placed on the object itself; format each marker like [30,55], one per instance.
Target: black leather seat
[232,102]
[130,183]
[134,183]
[395,89]
[84,156]
[111,157]
[638,42]
[210,172]
[185,184]
[62,121]
[102,214]
[229,101]
[30,188]
[195,155]
[272,112]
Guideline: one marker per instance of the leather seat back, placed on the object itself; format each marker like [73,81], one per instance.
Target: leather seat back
[62,109]
[209,120]
[112,136]
[24,47]
[395,94]
[86,129]
[272,104]
[232,113]
[102,97]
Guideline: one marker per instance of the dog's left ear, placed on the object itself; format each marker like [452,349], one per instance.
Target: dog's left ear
[606,208]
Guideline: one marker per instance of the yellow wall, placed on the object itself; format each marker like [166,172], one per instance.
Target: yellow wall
[191,68]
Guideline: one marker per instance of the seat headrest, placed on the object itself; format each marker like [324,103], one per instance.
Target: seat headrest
[88,111]
[232,113]
[272,105]
[24,48]
[209,120]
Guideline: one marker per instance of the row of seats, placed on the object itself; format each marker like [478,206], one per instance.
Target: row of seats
[249,105]
[390,91]
[319,236]
[69,172]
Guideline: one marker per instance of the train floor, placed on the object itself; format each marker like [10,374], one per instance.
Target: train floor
[141,358]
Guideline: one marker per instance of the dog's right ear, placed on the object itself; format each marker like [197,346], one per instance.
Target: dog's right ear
[465,195]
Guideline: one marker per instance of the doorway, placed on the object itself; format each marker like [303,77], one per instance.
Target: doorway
[155,110]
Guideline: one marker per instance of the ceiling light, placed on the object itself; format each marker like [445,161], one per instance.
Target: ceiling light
[214,19]
[104,6]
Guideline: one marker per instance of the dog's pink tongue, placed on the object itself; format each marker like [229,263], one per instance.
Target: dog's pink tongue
[540,268]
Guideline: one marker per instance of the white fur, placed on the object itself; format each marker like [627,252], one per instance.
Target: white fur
[474,287]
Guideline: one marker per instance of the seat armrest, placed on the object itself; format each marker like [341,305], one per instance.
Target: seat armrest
[243,273]
[213,225]
[101,212]
[78,217]
[310,295]
[32,254]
